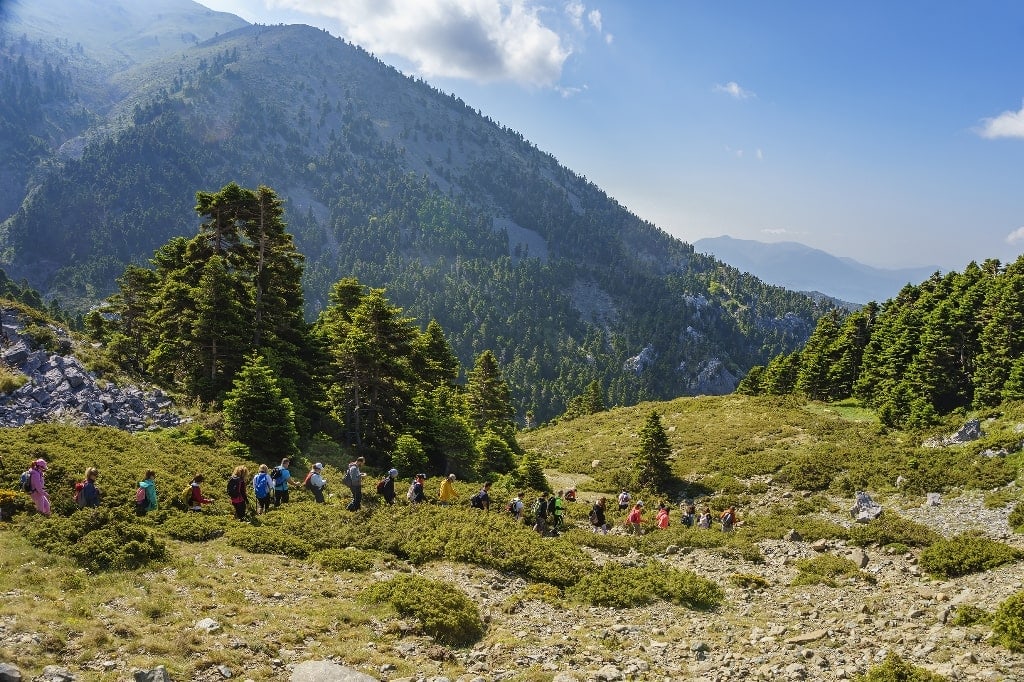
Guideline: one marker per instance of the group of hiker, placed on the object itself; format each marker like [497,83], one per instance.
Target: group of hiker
[271,486]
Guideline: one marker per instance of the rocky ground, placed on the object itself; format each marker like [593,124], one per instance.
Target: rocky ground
[776,633]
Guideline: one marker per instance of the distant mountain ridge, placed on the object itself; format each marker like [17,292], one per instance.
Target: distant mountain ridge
[384,178]
[801,268]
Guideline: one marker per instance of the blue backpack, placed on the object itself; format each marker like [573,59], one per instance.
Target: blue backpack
[261,484]
[26,481]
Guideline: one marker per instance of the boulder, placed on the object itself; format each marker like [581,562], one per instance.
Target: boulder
[9,673]
[157,674]
[326,671]
[865,509]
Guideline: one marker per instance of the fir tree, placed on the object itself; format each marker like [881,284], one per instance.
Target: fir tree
[652,456]
[257,414]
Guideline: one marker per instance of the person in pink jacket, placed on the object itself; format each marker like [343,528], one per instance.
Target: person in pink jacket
[662,518]
[635,520]
[39,494]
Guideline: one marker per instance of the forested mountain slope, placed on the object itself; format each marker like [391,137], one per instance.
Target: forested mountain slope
[385,179]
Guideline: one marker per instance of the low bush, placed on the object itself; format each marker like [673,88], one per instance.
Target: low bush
[98,540]
[621,586]
[969,614]
[193,527]
[348,559]
[444,613]
[825,569]
[1016,518]
[895,669]
[749,581]
[1008,623]
[889,528]
[966,553]
[262,540]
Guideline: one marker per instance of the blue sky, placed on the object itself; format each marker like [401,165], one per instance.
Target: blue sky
[889,132]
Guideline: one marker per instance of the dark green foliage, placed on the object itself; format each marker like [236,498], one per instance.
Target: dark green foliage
[653,471]
[1016,518]
[530,473]
[260,540]
[889,528]
[195,527]
[98,540]
[966,553]
[1008,623]
[625,587]
[825,569]
[895,669]
[258,415]
[444,613]
[408,456]
[591,401]
[348,559]
[490,401]
[969,614]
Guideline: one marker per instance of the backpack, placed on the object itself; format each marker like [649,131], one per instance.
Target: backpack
[140,497]
[593,517]
[275,473]
[26,481]
[233,487]
[510,508]
[261,484]
[307,482]
[727,520]
[185,496]
[79,497]
[540,508]
[477,500]
[382,484]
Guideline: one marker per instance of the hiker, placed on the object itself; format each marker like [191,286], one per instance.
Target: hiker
[447,493]
[515,506]
[39,495]
[556,510]
[146,501]
[236,491]
[570,495]
[704,520]
[689,512]
[386,486]
[280,475]
[482,499]
[624,499]
[540,514]
[354,481]
[416,494]
[597,520]
[89,495]
[316,483]
[728,519]
[635,520]
[262,487]
[196,499]
[662,519]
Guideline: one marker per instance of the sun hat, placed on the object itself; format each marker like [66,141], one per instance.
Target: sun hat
[41,463]
[393,473]
[318,466]
[451,477]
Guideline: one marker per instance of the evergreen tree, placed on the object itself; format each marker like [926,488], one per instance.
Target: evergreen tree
[750,384]
[433,359]
[652,457]
[219,340]
[779,376]
[531,473]
[496,457]
[257,414]
[490,401]
[818,356]
[408,456]
[1000,340]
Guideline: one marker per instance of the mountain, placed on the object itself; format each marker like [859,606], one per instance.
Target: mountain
[801,268]
[114,117]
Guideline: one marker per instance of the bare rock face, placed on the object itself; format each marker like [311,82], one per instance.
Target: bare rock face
[325,671]
[60,388]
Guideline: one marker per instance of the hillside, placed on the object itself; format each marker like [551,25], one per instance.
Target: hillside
[384,179]
[302,583]
[801,268]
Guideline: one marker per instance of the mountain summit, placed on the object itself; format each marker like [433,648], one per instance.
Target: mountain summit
[113,121]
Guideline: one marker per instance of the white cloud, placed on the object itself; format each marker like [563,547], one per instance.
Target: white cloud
[595,19]
[575,10]
[733,89]
[1015,236]
[775,231]
[1006,124]
[480,40]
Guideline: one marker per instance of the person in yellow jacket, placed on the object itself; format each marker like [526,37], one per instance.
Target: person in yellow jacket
[448,494]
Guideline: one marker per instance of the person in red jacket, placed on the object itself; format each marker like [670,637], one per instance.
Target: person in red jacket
[197,500]
[635,520]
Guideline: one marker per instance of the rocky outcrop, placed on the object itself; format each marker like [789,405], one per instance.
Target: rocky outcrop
[61,389]
[970,431]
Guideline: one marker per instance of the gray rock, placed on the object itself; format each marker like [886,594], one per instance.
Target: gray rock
[860,557]
[157,674]
[208,625]
[608,673]
[9,673]
[864,508]
[793,536]
[325,671]
[55,673]
[807,637]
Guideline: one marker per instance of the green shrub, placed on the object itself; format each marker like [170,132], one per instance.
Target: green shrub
[966,553]
[98,540]
[969,614]
[621,586]
[348,559]
[824,569]
[1008,623]
[193,527]
[889,528]
[261,540]
[749,581]
[809,471]
[444,612]
[1016,518]
[895,669]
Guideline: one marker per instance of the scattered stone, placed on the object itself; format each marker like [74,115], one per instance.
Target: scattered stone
[819,545]
[608,673]
[208,625]
[865,509]
[55,673]
[860,557]
[326,671]
[9,673]
[157,674]
[807,637]
[565,677]
[793,536]
[224,671]
[933,500]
